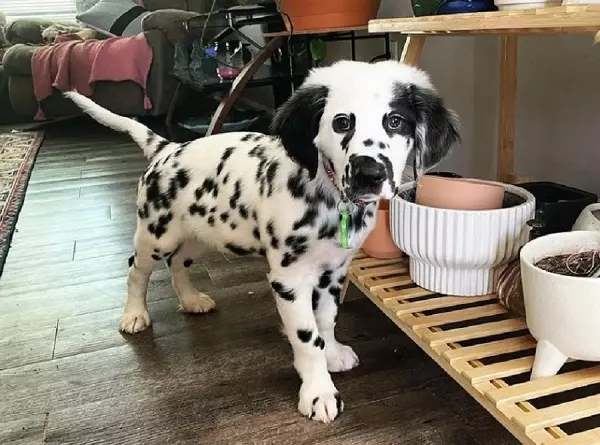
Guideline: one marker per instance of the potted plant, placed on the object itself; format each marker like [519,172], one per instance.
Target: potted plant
[328,14]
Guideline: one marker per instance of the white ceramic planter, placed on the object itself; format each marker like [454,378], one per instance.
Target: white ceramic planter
[525,4]
[589,218]
[459,252]
[563,313]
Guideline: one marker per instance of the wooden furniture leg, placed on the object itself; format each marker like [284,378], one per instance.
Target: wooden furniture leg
[507,108]
[240,82]
[413,47]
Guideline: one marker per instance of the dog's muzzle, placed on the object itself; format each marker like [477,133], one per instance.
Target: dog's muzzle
[367,176]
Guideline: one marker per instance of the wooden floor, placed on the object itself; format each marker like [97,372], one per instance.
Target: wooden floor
[67,376]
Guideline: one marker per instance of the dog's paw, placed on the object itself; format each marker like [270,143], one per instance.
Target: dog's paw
[340,358]
[321,404]
[197,304]
[134,321]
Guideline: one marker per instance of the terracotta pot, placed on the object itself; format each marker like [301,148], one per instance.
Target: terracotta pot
[326,14]
[379,243]
[459,194]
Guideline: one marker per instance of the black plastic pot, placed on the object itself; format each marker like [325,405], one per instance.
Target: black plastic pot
[445,174]
[560,205]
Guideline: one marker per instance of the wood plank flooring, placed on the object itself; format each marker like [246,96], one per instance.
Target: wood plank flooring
[67,376]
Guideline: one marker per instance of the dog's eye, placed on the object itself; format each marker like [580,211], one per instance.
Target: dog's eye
[394,121]
[342,123]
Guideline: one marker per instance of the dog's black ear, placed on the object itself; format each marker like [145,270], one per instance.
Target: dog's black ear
[437,127]
[297,124]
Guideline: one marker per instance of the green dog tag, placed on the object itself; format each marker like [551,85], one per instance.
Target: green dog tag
[344,218]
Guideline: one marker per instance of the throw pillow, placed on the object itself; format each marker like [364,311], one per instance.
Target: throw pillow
[115,17]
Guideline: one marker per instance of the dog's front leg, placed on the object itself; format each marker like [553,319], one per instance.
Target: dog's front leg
[319,399]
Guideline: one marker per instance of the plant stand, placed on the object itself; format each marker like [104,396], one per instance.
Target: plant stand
[483,348]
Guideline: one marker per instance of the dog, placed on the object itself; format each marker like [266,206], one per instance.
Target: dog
[305,197]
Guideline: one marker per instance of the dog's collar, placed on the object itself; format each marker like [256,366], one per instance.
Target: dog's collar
[331,176]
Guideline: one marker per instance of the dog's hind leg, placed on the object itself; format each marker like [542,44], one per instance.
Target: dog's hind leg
[135,317]
[190,299]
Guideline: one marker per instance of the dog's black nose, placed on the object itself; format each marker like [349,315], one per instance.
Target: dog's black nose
[366,171]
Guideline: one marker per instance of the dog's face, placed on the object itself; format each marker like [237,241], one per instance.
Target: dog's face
[362,121]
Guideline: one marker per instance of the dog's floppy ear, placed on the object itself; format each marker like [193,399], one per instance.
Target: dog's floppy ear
[297,124]
[437,127]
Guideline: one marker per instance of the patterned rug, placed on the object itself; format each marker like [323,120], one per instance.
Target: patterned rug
[17,155]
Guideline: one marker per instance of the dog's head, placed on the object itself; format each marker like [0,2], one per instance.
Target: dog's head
[362,121]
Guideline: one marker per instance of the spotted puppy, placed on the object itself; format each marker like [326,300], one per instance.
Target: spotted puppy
[340,144]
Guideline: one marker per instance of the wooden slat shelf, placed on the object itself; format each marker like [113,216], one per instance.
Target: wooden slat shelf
[483,365]
[553,20]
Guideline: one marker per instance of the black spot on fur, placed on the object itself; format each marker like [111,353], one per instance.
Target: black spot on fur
[150,136]
[162,143]
[154,194]
[368,142]
[211,220]
[131,260]
[315,299]
[208,185]
[226,154]
[342,280]
[197,209]
[349,134]
[275,242]
[256,233]
[282,291]
[246,137]
[296,184]
[325,279]
[239,250]
[156,257]
[188,262]
[308,219]
[315,400]
[389,170]
[382,145]
[237,193]
[270,176]
[144,211]
[233,226]
[254,215]
[226,178]
[288,259]
[224,216]
[327,231]
[271,228]
[178,182]
[243,211]
[156,250]
[262,251]
[171,255]
[338,402]
[159,228]
[319,343]
[304,335]
[336,292]
[213,209]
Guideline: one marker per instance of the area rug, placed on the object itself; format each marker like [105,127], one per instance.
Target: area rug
[17,155]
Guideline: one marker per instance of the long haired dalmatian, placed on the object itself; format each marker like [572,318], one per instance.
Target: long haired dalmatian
[305,198]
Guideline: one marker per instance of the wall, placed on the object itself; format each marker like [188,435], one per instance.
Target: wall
[558,131]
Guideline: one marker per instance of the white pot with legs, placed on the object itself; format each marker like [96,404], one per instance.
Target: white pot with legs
[563,312]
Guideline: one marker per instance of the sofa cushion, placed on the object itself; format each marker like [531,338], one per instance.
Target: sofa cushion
[17,59]
[115,17]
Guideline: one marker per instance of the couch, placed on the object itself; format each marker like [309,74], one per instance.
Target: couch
[126,98]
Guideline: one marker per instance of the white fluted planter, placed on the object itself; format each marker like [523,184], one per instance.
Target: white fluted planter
[459,252]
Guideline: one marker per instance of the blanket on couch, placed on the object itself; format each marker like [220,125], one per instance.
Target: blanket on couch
[78,64]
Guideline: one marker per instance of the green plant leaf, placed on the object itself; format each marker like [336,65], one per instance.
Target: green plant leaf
[318,50]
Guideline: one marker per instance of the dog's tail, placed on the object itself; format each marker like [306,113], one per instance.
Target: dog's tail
[149,141]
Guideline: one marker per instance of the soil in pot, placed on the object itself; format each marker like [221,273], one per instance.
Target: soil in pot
[379,243]
[582,264]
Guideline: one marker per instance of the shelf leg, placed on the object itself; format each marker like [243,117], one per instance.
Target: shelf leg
[413,47]
[507,108]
